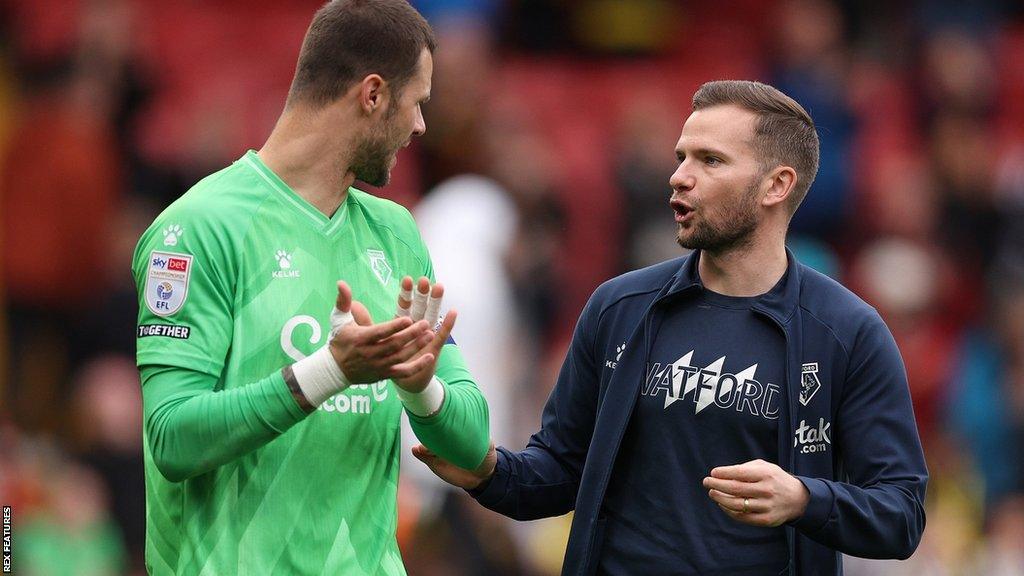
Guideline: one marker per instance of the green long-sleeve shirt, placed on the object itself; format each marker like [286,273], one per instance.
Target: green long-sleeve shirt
[236,280]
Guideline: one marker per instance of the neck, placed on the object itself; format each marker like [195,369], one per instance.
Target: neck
[312,162]
[749,270]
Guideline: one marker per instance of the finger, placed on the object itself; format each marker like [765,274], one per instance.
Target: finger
[753,519]
[434,305]
[375,332]
[421,449]
[733,487]
[411,350]
[734,503]
[746,472]
[412,367]
[398,341]
[404,297]
[419,299]
[428,460]
[339,320]
[344,301]
[725,501]
[360,314]
[737,516]
[447,324]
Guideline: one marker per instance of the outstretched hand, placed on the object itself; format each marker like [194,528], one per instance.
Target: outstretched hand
[368,352]
[425,304]
[452,474]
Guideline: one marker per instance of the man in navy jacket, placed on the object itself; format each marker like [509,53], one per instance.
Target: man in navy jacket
[728,412]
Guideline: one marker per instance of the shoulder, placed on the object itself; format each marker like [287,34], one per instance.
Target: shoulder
[636,284]
[226,199]
[835,307]
[211,218]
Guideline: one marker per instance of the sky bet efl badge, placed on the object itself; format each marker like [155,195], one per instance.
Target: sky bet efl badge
[167,282]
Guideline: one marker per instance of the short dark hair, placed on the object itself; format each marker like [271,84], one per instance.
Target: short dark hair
[350,39]
[784,133]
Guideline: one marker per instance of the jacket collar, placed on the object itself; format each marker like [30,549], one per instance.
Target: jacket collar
[778,304]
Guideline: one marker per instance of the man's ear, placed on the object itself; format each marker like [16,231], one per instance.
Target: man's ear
[781,182]
[373,94]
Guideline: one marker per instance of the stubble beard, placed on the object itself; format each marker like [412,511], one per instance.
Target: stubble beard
[372,159]
[736,230]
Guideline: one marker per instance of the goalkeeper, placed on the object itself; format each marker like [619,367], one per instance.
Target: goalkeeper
[272,424]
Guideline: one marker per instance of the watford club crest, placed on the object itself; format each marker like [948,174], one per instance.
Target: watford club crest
[809,382]
[379,265]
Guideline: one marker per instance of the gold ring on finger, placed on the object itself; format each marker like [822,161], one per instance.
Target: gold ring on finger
[746,505]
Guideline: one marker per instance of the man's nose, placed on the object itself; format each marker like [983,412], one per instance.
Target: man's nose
[421,125]
[682,178]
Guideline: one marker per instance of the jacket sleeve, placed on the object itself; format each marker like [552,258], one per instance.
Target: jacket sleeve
[543,479]
[878,510]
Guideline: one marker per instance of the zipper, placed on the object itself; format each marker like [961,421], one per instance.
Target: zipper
[787,460]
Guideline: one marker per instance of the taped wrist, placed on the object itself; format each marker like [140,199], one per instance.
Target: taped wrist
[315,378]
[425,403]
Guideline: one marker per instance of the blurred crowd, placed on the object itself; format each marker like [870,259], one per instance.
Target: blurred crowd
[544,171]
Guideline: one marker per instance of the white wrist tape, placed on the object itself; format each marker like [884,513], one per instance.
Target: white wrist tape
[426,402]
[319,376]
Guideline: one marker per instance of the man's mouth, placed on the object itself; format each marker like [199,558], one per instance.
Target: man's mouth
[683,210]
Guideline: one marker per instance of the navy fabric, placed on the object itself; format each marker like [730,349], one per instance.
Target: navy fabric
[710,397]
[847,428]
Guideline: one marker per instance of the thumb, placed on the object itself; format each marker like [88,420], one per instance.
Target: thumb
[344,301]
[361,314]
[423,454]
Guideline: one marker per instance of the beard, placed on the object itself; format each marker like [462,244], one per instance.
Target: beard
[733,229]
[374,156]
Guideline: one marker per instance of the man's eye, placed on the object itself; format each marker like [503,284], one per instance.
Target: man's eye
[713,161]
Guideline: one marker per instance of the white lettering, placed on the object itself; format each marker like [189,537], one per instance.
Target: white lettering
[290,326]
[812,439]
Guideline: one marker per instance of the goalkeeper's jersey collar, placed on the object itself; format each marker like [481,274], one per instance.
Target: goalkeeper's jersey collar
[316,218]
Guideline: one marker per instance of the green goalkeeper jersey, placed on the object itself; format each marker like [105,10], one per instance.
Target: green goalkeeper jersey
[237,279]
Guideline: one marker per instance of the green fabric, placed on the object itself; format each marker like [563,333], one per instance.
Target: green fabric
[236,280]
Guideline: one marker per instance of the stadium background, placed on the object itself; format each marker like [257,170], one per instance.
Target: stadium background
[543,172]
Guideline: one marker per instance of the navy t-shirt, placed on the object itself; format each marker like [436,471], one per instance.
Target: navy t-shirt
[711,397]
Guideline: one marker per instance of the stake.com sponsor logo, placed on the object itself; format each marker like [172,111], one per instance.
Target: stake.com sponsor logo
[810,439]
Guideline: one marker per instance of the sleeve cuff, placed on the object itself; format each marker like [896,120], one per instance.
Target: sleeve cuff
[493,491]
[819,507]
[425,403]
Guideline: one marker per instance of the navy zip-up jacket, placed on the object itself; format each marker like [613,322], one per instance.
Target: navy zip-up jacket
[862,464]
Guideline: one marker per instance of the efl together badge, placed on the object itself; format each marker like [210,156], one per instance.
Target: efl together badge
[167,282]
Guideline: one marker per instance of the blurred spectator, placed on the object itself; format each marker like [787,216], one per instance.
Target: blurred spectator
[963,161]
[903,280]
[644,162]
[521,160]
[986,408]
[58,187]
[469,224]
[454,141]
[811,66]
[108,436]
[71,535]
[1003,554]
